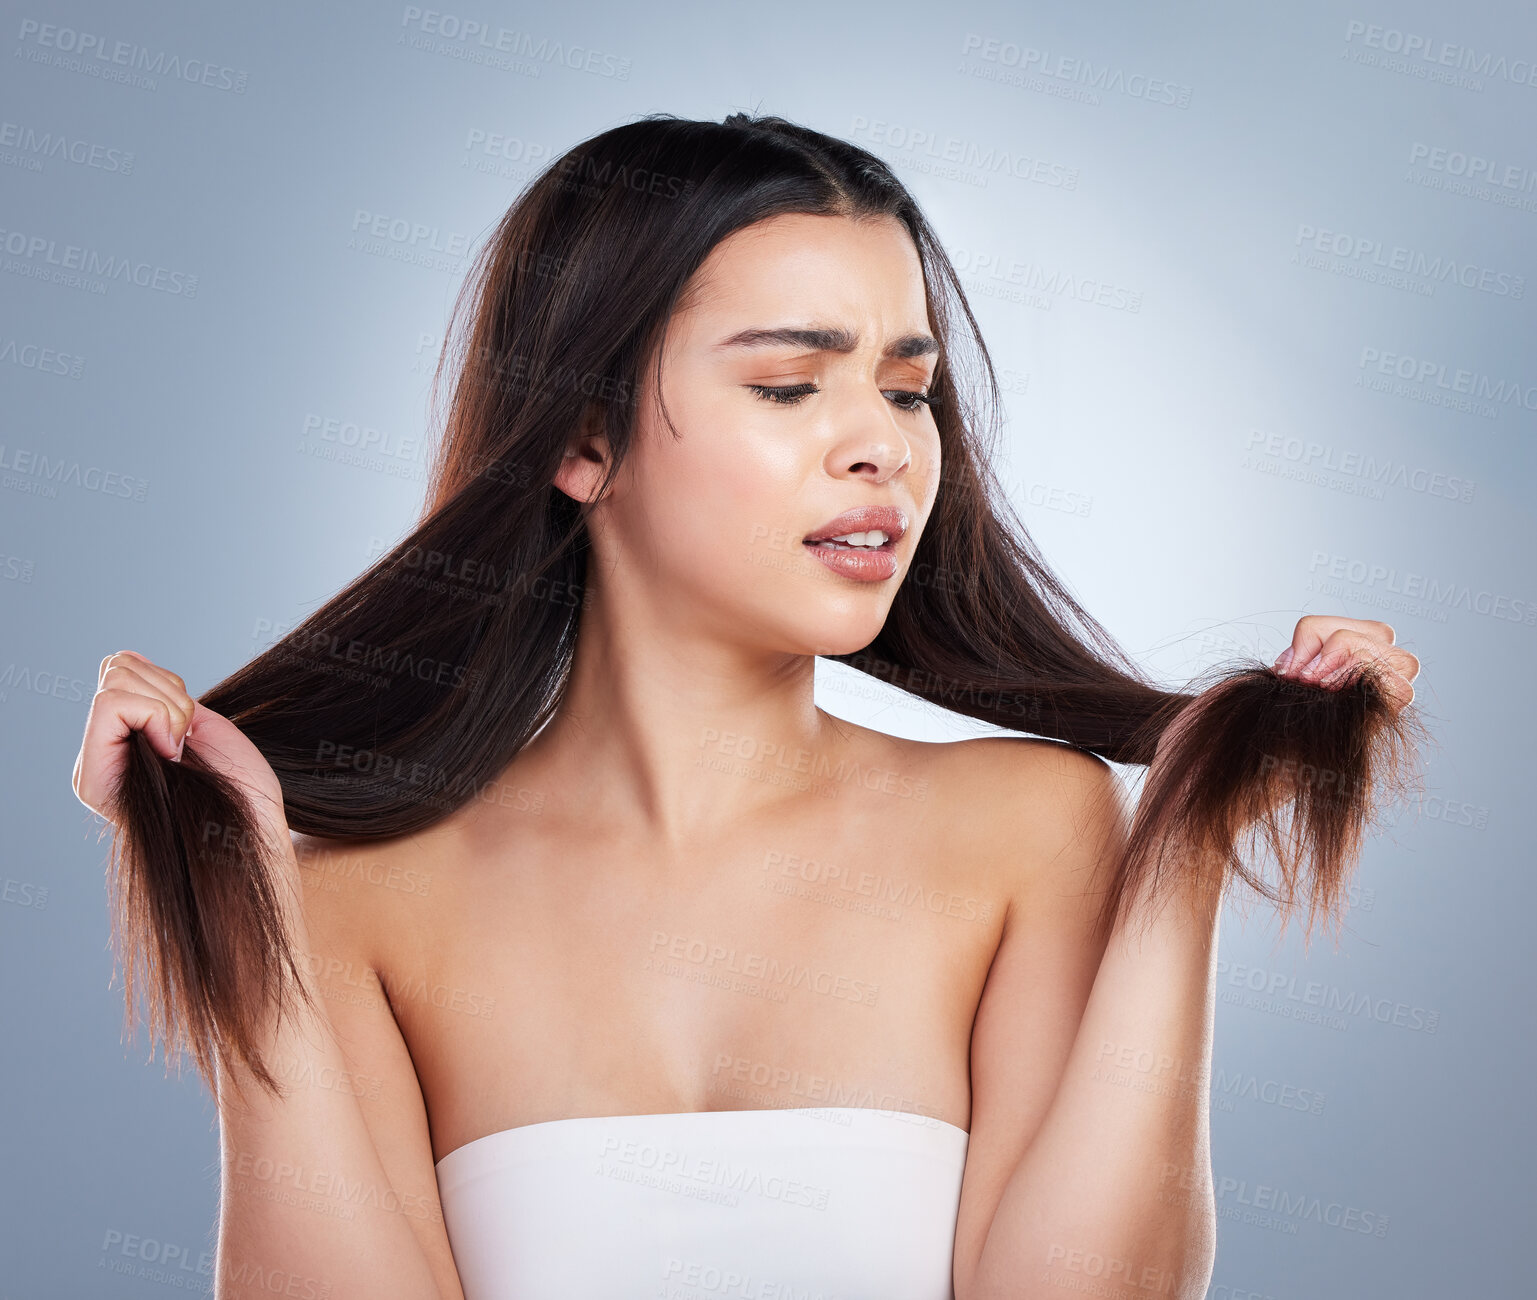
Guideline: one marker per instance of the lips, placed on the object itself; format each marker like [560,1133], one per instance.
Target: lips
[889,519]
[860,563]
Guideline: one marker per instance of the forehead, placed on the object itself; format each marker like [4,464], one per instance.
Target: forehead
[799,267]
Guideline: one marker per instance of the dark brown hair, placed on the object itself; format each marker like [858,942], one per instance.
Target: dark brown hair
[468,625]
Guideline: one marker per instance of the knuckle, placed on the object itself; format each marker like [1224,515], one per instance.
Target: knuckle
[117,703]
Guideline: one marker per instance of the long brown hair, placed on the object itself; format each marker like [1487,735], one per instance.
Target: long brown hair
[467,626]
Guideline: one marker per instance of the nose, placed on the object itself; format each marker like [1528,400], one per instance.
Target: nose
[873,448]
[885,462]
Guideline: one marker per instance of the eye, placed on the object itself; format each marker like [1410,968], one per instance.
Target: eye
[789,396]
[920,400]
[784,396]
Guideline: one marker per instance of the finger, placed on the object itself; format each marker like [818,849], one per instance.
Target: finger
[199,712]
[137,678]
[1344,648]
[1346,654]
[115,714]
[132,658]
[1398,688]
[1314,629]
[1407,664]
[173,683]
[1307,638]
[1389,680]
[1392,659]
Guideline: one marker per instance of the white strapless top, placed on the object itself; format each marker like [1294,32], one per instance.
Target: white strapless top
[831,1203]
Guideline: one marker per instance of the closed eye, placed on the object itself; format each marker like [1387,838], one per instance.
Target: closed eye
[790,395]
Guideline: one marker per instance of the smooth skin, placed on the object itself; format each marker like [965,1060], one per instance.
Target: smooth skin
[561,915]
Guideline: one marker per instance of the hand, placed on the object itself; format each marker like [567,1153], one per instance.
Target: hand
[1330,651]
[133,694]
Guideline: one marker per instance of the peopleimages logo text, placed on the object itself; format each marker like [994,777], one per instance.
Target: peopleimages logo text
[507,40]
[1413,45]
[1473,167]
[1448,593]
[1364,250]
[92,48]
[1075,71]
[1425,371]
[40,253]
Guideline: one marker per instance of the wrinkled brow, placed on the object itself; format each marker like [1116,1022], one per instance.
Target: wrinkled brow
[828,338]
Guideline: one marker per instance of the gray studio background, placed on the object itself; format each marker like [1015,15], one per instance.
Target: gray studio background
[1263,301]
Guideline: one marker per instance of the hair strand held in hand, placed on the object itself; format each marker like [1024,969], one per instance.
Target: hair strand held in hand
[195,912]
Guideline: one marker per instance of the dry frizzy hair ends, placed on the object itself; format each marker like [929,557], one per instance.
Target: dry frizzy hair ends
[466,627]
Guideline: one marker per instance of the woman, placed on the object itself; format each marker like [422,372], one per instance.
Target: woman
[590,923]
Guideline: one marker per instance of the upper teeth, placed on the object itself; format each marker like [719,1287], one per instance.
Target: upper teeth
[875,537]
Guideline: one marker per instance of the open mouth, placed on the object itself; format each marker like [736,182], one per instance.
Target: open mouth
[866,556]
[873,540]
[860,544]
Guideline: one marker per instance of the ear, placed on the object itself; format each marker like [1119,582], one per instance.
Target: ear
[586,459]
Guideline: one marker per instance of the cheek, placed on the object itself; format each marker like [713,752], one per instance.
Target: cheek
[926,469]
[725,486]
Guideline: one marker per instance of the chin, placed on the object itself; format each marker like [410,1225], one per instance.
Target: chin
[842,635]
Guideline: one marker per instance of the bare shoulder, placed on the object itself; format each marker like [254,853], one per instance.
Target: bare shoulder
[1045,815]
[1009,780]
[358,893]
[1023,791]
[1014,757]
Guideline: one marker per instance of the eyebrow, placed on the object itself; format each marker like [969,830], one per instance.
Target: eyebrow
[828,338]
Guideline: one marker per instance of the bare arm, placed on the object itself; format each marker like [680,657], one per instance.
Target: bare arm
[331,1190]
[1090,1068]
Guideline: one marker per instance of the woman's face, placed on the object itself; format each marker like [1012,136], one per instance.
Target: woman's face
[707,529]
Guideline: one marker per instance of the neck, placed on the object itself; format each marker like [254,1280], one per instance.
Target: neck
[652,697]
